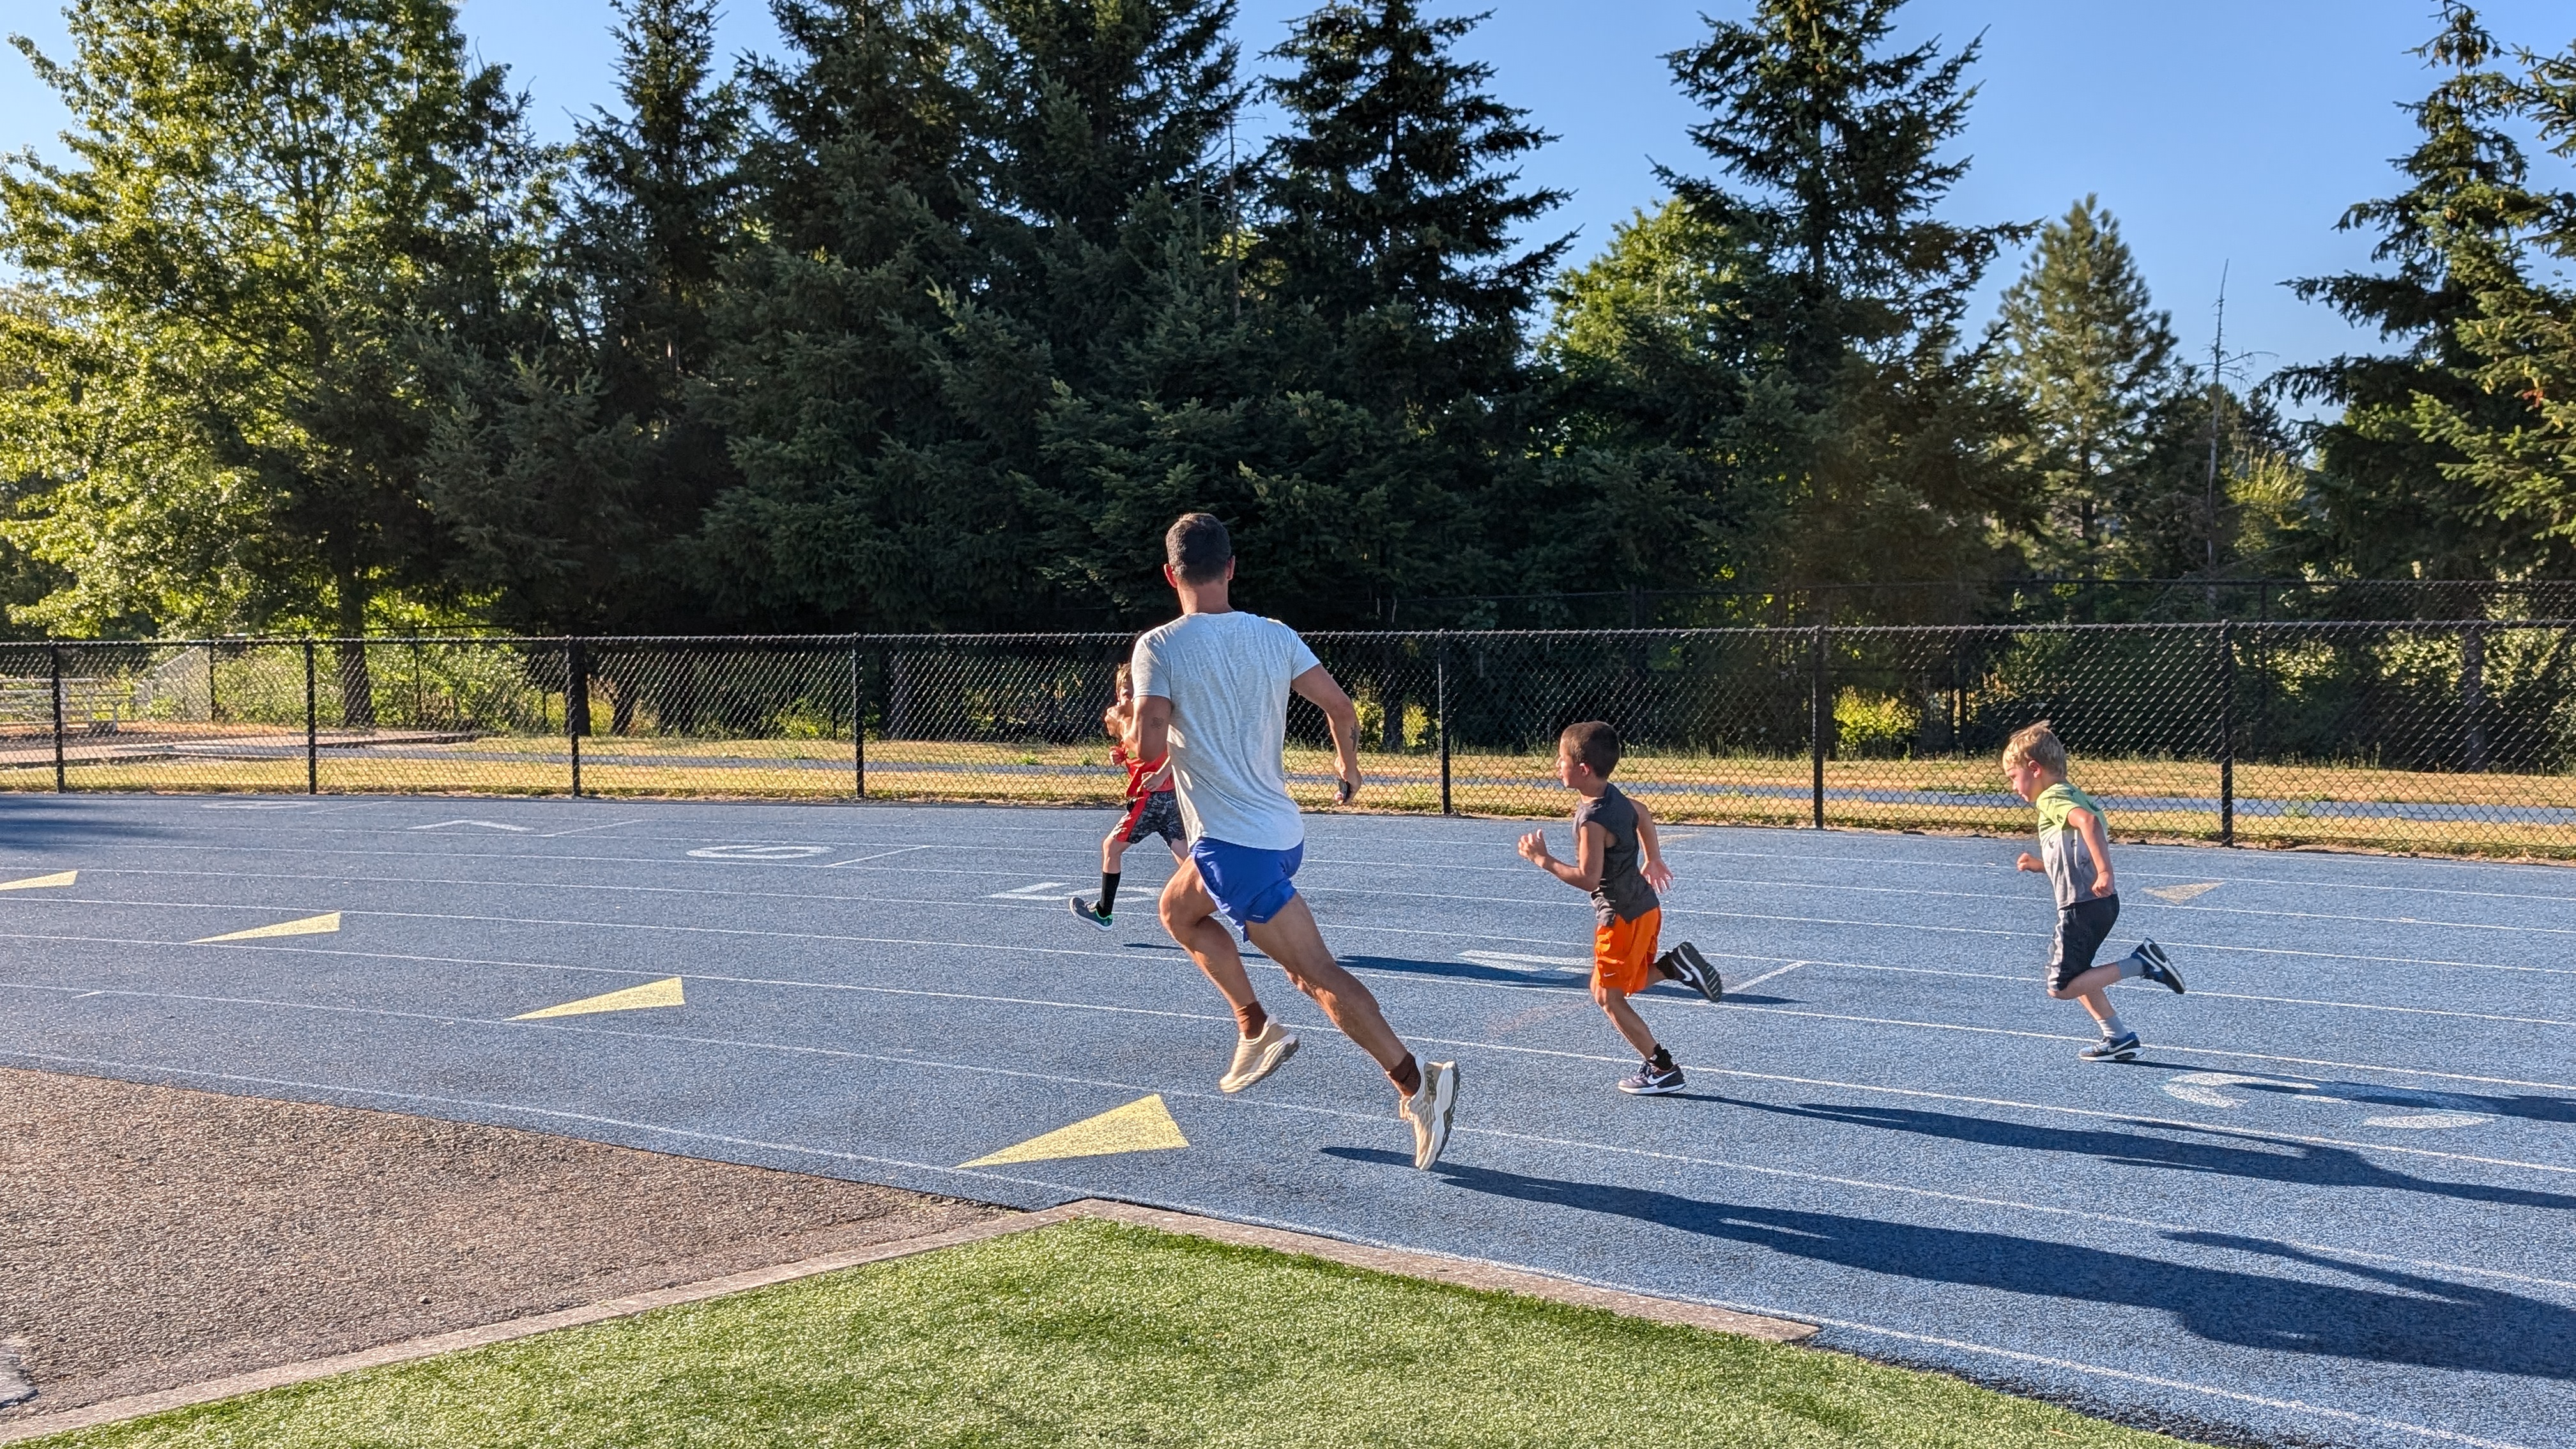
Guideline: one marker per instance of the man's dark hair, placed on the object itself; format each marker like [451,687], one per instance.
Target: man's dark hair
[1198,548]
[1594,743]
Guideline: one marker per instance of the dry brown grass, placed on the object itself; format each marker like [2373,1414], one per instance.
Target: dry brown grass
[2288,805]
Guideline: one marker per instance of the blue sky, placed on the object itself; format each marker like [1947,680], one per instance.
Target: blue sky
[2223,133]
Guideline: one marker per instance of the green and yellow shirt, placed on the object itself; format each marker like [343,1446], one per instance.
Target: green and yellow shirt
[2072,870]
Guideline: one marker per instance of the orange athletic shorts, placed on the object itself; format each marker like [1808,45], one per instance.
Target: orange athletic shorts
[1623,953]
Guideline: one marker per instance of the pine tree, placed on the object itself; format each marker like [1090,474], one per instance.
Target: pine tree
[2518,447]
[1391,206]
[569,470]
[868,494]
[2396,500]
[1829,148]
[2089,358]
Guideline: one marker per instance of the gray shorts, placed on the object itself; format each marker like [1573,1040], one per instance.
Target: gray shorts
[2081,930]
[1161,816]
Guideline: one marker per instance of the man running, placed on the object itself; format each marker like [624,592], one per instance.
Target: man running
[1212,689]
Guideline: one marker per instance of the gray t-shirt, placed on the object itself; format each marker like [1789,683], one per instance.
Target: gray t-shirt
[1227,678]
[1623,894]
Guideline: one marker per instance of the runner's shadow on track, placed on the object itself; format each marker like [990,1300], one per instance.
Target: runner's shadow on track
[48,825]
[1470,971]
[2269,1159]
[2419,1321]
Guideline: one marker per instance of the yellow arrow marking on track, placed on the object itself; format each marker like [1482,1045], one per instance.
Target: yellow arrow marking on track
[2181,893]
[39,882]
[1144,1125]
[321,925]
[633,998]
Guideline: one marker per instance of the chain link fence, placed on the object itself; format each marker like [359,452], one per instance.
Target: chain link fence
[2446,737]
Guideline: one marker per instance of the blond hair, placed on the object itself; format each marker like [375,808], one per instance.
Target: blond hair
[2039,745]
[1126,675]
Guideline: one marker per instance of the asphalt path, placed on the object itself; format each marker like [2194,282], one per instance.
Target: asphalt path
[2336,1200]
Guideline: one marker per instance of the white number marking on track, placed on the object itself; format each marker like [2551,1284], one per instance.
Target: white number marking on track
[759,852]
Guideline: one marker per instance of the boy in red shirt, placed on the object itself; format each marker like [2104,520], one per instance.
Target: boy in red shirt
[1152,808]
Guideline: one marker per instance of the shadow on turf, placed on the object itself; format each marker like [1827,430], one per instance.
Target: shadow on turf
[2405,1318]
[2265,1160]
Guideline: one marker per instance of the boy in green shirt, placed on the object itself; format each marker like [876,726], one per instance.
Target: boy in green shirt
[2075,854]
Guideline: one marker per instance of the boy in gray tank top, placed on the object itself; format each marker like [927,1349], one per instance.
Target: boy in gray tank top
[1617,860]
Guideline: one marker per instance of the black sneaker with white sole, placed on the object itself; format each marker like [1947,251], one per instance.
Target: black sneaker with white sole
[1686,965]
[2159,970]
[1082,911]
[1647,1081]
[2119,1048]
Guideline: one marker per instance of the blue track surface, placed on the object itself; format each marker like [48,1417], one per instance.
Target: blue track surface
[2336,1201]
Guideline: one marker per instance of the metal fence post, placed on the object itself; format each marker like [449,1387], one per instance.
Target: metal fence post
[2227,731]
[576,704]
[1441,699]
[2473,697]
[55,653]
[312,723]
[1818,715]
[858,720]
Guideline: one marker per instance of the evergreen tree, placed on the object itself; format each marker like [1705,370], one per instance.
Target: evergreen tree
[1660,405]
[855,368]
[570,471]
[2518,444]
[1391,207]
[2089,358]
[285,199]
[1832,143]
[1326,375]
[2395,497]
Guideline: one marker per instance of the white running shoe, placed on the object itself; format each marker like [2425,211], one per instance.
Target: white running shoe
[1256,1057]
[1429,1109]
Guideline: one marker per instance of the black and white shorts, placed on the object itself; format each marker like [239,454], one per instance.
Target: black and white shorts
[1161,816]
[2081,930]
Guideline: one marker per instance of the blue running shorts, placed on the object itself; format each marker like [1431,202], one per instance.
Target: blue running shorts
[1250,886]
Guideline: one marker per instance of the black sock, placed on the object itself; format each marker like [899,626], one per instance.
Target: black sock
[1108,892]
[1662,1060]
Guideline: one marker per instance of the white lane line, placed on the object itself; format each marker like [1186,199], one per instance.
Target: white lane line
[1847,888]
[1471,1043]
[1415,979]
[586,829]
[477,824]
[1320,1027]
[1767,975]
[1583,1144]
[517,859]
[1409,978]
[880,855]
[1514,959]
[1209,1210]
[1040,892]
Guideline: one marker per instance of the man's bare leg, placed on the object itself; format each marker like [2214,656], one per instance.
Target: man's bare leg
[1292,939]
[1189,914]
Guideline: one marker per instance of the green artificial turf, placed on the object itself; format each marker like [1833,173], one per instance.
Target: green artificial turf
[1093,1333]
